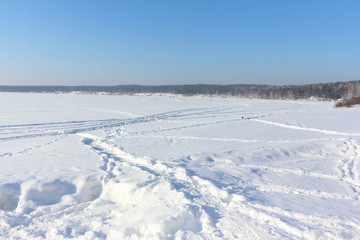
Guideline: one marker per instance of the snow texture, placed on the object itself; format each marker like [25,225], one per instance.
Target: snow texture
[150,167]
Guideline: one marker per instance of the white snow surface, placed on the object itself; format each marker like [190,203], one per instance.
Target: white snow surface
[152,167]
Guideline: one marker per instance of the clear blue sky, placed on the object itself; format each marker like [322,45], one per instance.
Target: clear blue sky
[84,42]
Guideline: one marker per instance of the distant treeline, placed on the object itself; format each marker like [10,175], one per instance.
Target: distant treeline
[326,91]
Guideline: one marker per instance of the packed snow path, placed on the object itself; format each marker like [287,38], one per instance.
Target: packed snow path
[147,167]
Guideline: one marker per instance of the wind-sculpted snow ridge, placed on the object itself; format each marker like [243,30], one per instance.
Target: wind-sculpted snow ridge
[177,168]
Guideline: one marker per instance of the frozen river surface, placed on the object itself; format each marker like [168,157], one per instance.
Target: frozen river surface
[147,167]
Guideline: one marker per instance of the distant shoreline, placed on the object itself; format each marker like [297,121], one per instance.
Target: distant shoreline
[320,91]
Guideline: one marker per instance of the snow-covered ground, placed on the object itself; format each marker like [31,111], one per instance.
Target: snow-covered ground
[142,167]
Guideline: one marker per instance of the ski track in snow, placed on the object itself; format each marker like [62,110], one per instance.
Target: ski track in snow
[26,150]
[328,132]
[73,127]
[196,207]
